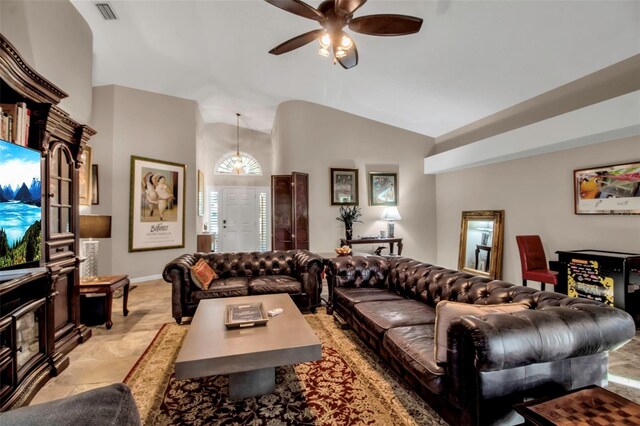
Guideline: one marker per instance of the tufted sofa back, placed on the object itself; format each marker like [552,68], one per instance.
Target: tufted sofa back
[359,271]
[252,264]
[431,284]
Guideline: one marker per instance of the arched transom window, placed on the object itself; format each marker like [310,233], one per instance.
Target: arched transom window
[227,165]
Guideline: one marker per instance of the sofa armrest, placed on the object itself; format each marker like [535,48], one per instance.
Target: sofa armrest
[177,273]
[308,267]
[502,341]
[477,345]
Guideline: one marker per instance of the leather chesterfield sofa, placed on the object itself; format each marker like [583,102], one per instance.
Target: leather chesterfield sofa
[553,345]
[296,272]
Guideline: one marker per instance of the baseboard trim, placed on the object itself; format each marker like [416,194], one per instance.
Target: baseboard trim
[147,278]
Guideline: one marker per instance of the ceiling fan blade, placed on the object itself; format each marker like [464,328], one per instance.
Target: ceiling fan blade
[299,8]
[347,7]
[296,42]
[350,60]
[386,25]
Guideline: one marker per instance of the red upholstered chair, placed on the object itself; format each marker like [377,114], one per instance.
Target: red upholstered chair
[534,262]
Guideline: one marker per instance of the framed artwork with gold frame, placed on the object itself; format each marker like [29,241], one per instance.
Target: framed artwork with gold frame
[157,205]
[481,234]
[84,177]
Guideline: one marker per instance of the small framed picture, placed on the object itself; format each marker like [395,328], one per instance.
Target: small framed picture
[608,189]
[344,187]
[84,177]
[383,189]
[95,195]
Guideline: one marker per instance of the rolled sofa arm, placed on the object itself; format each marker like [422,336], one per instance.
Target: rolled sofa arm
[503,341]
[177,273]
[309,268]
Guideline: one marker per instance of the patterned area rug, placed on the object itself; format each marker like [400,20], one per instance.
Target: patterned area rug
[348,386]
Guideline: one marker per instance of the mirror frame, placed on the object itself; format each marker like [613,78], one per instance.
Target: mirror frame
[495,266]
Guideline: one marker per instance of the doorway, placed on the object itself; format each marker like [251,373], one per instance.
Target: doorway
[241,218]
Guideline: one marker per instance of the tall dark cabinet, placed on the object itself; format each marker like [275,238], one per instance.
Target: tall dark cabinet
[290,211]
[47,300]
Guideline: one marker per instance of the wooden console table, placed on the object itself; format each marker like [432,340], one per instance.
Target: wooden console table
[391,241]
[107,285]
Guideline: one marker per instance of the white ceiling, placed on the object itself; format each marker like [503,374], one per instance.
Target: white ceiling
[471,58]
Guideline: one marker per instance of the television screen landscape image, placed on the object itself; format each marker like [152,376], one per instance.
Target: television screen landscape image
[20,206]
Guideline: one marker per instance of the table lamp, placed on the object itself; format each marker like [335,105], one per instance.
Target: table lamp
[390,214]
[93,226]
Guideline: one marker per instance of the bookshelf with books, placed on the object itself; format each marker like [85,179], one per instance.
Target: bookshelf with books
[31,117]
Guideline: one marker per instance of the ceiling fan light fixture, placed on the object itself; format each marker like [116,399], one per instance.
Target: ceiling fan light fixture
[340,53]
[325,40]
[346,42]
[323,52]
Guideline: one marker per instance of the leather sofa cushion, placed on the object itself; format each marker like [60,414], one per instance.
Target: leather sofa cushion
[448,311]
[348,297]
[224,287]
[379,316]
[269,284]
[413,347]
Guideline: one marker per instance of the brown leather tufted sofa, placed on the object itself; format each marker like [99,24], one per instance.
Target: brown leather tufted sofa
[296,272]
[493,361]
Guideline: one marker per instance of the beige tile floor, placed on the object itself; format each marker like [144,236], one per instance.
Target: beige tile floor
[110,354]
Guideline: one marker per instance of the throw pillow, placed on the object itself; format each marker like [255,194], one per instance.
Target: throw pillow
[202,274]
[447,311]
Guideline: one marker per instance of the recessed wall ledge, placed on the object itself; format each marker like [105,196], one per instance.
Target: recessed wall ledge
[613,119]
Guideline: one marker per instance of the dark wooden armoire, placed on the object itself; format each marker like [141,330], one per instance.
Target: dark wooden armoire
[290,211]
[40,310]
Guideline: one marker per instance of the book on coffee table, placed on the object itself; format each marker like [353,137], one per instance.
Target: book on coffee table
[245,315]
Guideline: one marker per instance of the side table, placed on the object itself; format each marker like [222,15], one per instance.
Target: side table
[107,285]
[591,405]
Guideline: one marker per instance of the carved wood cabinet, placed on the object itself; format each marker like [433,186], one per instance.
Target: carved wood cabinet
[290,211]
[56,309]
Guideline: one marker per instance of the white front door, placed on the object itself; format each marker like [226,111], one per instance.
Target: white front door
[239,220]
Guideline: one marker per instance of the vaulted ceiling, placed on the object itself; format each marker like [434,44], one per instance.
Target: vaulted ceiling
[471,58]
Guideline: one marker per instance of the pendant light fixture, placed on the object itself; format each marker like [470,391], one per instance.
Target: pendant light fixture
[238,167]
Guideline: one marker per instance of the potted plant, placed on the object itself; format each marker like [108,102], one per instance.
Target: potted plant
[349,215]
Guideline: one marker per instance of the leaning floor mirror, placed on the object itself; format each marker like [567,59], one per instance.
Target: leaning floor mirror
[481,243]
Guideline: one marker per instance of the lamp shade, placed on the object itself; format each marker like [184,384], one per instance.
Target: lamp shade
[95,226]
[391,213]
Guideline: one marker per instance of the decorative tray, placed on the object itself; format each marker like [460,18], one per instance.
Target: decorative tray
[245,315]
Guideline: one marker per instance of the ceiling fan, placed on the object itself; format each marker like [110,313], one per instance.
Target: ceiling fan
[334,15]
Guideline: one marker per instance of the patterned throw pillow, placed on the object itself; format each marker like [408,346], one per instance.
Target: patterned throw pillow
[202,274]
[447,311]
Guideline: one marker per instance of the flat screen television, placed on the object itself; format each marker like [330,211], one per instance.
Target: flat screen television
[20,207]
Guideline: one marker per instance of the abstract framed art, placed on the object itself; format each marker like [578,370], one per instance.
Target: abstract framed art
[157,205]
[608,190]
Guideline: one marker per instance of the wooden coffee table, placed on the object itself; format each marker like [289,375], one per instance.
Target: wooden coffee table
[592,405]
[248,355]
[107,285]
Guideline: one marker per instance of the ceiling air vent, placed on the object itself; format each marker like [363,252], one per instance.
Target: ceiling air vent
[107,12]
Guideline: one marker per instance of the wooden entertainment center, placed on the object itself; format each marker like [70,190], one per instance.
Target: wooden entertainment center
[40,310]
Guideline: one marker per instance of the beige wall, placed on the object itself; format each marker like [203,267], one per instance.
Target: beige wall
[134,122]
[537,196]
[55,40]
[311,138]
